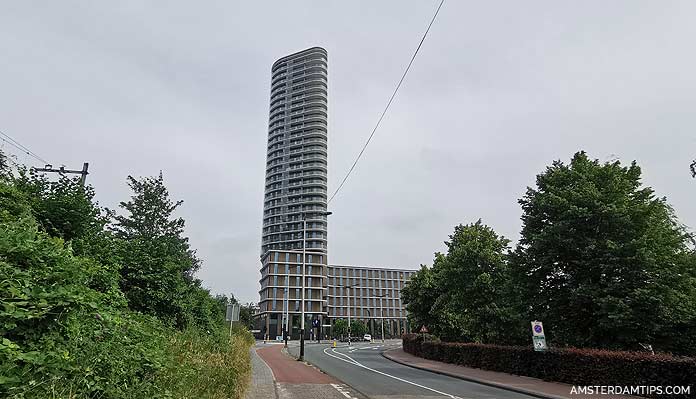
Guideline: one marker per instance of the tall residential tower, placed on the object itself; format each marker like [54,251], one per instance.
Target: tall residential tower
[296,158]
[296,177]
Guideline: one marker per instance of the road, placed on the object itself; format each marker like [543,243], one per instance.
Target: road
[363,368]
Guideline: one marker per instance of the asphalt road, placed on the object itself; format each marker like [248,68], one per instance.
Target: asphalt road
[362,367]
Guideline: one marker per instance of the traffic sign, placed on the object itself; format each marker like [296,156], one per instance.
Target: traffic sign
[423,330]
[232,313]
[539,343]
[537,329]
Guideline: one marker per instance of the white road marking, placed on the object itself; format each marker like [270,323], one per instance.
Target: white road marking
[356,363]
[339,388]
[366,348]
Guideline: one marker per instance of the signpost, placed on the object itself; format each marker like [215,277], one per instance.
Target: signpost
[423,330]
[232,314]
[538,338]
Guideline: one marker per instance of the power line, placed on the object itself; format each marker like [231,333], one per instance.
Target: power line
[388,103]
[20,147]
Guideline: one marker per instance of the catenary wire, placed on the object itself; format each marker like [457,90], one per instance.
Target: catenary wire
[21,147]
[415,53]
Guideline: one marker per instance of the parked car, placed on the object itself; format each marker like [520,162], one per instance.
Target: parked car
[367,338]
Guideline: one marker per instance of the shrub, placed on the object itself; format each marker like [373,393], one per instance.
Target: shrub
[571,366]
[66,332]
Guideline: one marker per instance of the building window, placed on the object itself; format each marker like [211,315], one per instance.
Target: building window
[275,292]
[275,256]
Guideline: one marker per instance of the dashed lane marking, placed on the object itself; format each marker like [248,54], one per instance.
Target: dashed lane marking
[356,363]
[343,391]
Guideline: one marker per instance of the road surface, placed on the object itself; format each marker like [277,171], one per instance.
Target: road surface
[363,368]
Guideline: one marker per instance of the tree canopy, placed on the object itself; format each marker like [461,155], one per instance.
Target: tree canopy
[464,296]
[601,259]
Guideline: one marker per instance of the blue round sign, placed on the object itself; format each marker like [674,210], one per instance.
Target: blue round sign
[537,329]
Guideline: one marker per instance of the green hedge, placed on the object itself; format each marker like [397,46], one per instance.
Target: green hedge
[571,366]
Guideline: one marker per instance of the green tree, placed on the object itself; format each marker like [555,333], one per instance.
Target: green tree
[473,281]
[357,328]
[466,295]
[419,296]
[157,261]
[602,261]
[63,208]
[59,334]
[340,327]
[246,315]
[5,166]
[66,209]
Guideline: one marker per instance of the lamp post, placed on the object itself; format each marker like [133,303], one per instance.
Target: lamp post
[304,265]
[381,312]
[369,317]
[348,287]
[286,305]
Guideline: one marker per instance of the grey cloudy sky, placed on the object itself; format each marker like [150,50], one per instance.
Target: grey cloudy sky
[500,89]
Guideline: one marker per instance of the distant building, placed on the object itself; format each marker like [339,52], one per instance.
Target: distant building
[296,190]
[332,292]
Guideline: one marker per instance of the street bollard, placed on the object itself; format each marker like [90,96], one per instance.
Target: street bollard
[334,343]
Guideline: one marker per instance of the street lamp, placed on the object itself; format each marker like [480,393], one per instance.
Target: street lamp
[381,312]
[286,306]
[369,318]
[304,265]
[348,287]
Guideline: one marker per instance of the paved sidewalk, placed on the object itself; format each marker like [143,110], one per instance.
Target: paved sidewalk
[526,385]
[290,379]
[262,385]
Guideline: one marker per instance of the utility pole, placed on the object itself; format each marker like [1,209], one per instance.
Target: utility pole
[62,171]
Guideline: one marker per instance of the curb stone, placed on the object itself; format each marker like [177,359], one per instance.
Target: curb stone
[476,380]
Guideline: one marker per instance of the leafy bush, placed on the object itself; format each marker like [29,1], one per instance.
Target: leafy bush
[66,325]
[60,335]
[571,366]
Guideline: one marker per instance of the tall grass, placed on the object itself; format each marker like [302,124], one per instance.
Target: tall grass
[208,365]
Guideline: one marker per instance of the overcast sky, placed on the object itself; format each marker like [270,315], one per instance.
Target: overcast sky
[499,91]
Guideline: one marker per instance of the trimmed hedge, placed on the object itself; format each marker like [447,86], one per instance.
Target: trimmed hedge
[570,366]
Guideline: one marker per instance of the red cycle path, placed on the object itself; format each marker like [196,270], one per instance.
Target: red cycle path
[287,369]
